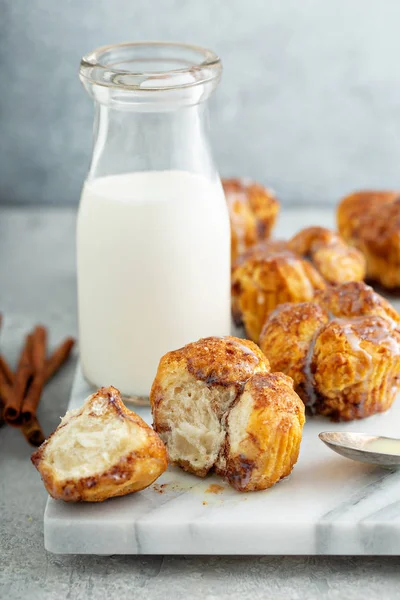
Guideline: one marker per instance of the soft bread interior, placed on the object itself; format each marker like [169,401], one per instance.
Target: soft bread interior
[238,420]
[236,427]
[91,440]
[192,429]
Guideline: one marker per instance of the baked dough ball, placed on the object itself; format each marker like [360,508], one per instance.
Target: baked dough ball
[356,367]
[287,337]
[193,389]
[342,350]
[335,260]
[253,210]
[356,299]
[267,277]
[370,221]
[263,433]
[215,404]
[99,451]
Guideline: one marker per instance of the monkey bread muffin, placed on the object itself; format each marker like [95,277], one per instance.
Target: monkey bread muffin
[216,405]
[342,350]
[370,221]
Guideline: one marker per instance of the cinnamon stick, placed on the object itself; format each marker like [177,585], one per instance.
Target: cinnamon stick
[33,432]
[3,393]
[13,402]
[33,394]
[43,371]
[6,379]
[39,347]
[5,369]
[58,358]
[20,393]
[5,390]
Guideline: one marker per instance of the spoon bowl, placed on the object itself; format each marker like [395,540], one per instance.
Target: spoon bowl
[375,450]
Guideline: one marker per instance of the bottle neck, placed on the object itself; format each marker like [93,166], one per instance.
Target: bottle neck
[134,140]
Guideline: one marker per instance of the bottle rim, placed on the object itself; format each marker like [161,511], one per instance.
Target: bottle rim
[150,66]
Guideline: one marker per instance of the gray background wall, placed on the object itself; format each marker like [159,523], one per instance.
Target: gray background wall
[309,102]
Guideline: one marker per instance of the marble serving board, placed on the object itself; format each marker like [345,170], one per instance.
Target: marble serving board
[329,505]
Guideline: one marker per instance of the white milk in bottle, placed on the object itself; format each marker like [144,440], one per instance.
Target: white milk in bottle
[153,272]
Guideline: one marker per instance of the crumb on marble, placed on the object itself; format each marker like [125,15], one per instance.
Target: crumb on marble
[214,488]
[160,488]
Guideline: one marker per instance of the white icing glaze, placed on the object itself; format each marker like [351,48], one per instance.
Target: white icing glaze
[354,342]
[384,446]
[245,349]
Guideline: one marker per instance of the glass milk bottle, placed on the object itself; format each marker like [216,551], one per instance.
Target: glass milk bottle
[153,236]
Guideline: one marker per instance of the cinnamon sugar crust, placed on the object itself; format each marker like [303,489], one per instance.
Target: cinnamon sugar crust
[100,451]
[216,406]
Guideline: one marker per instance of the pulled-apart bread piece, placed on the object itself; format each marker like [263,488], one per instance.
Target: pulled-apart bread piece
[333,258]
[99,451]
[263,433]
[370,221]
[215,404]
[274,272]
[253,210]
[342,350]
[193,389]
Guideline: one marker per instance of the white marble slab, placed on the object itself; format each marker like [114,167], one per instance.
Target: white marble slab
[329,505]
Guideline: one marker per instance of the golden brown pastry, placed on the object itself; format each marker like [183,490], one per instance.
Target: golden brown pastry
[263,249]
[287,337]
[263,433]
[193,388]
[215,405]
[265,278]
[370,221]
[253,210]
[274,272]
[335,260]
[356,299]
[342,350]
[100,451]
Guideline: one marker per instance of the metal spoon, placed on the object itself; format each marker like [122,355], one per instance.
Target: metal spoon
[375,450]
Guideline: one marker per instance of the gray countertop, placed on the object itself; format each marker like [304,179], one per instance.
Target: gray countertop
[38,285]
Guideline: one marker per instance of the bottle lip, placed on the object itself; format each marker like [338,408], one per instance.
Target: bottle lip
[150,66]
